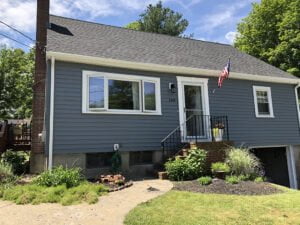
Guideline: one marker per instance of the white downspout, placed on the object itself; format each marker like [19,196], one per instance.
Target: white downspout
[292,167]
[297,102]
[51,116]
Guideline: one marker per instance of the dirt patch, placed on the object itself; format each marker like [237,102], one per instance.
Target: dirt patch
[221,187]
[110,210]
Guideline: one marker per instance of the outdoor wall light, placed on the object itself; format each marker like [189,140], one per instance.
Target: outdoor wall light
[172,87]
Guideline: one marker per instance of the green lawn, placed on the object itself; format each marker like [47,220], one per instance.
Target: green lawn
[186,208]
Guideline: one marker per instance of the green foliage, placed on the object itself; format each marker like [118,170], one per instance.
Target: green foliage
[205,180]
[60,176]
[259,179]
[134,25]
[197,159]
[6,173]
[36,194]
[271,32]
[220,167]
[233,179]
[179,169]
[161,20]
[189,168]
[16,80]
[236,179]
[116,162]
[18,160]
[242,162]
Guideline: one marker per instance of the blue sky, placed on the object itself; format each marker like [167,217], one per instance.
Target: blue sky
[210,20]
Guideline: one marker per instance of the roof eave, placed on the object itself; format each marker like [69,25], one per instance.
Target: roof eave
[67,57]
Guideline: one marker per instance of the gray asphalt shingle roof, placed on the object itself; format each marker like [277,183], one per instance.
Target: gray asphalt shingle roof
[92,39]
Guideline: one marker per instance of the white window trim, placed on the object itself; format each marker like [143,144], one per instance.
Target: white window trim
[203,82]
[137,78]
[268,90]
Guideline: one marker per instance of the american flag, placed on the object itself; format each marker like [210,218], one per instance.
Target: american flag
[224,74]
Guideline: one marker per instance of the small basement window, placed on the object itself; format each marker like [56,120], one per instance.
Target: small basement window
[263,102]
[120,94]
[98,160]
[141,157]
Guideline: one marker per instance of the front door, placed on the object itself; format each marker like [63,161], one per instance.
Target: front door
[194,113]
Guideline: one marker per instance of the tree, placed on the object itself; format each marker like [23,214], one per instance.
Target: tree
[16,79]
[161,20]
[271,32]
[134,25]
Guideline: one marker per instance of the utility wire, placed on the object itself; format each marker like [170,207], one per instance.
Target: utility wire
[14,40]
[18,31]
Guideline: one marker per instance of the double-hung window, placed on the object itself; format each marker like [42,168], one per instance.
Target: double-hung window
[263,102]
[116,93]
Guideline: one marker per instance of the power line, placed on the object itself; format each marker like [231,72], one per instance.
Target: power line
[18,31]
[14,40]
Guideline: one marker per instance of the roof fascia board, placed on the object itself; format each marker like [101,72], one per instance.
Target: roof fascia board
[67,57]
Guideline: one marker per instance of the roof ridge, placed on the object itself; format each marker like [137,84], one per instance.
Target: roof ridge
[145,32]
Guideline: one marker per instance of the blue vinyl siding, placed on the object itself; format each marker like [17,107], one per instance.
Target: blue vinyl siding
[75,132]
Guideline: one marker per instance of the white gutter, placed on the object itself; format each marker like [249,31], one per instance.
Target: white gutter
[52,78]
[92,60]
[297,102]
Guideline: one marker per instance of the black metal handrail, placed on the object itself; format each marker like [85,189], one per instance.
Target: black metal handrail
[197,128]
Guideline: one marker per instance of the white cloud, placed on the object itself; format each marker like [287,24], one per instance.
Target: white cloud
[19,14]
[231,36]
[61,7]
[5,42]
[186,4]
[224,16]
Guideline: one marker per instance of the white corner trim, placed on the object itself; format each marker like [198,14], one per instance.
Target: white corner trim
[52,78]
[269,93]
[297,102]
[92,60]
[291,167]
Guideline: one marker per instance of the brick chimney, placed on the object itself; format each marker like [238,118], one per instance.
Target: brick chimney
[37,158]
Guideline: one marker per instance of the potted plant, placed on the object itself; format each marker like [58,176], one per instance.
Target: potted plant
[220,169]
[218,131]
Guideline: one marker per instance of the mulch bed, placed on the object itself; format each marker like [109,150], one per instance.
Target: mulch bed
[221,187]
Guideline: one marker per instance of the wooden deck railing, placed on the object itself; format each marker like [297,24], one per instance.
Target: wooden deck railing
[15,135]
[3,136]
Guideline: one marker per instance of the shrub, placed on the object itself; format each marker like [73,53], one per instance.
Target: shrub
[220,167]
[242,162]
[60,176]
[6,173]
[189,168]
[236,179]
[197,160]
[179,169]
[205,180]
[116,162]
[259,179]
[18,160]
[232,179]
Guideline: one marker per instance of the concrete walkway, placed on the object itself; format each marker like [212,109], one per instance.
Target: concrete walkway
[110,210]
